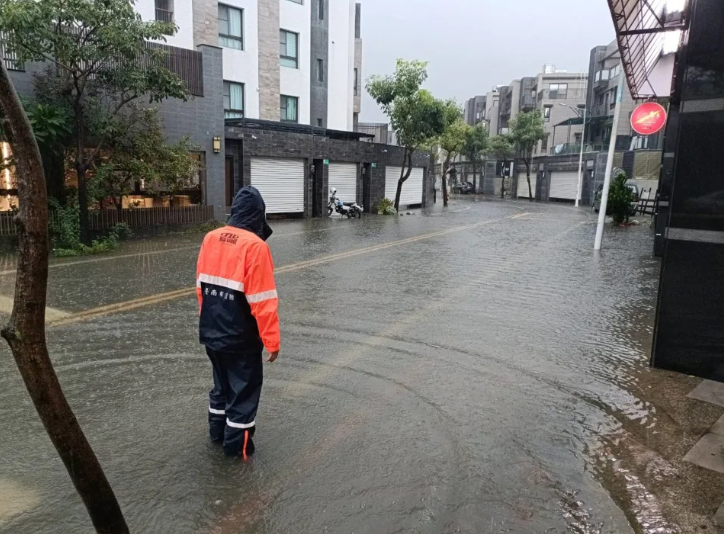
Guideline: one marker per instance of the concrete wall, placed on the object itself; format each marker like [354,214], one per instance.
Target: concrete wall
[319,91]
[296,82]
[341,64]
[242,66]
[183,16]
[242,144]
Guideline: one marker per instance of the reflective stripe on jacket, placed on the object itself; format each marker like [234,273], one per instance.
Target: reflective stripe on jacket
[237,295]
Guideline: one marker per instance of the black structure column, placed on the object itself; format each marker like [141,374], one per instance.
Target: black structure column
[689,332]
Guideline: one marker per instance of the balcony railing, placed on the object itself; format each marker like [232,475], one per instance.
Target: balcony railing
[164,15]
[186,64]
[571,94]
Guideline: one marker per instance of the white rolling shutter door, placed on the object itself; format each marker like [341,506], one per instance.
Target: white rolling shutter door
[280,182]
[564,185]
[411,189]
[523,184]
[343,176]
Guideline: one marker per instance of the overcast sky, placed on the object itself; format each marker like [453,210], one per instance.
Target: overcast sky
[472,45]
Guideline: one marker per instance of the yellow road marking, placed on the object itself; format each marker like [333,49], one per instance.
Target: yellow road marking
[162,297]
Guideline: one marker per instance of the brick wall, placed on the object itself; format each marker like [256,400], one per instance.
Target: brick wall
[206,22]
[245,143]
[269,70]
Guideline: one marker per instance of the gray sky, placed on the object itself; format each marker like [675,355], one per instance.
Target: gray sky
[472,45]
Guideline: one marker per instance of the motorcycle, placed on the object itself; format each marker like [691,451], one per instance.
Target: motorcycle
[346,209]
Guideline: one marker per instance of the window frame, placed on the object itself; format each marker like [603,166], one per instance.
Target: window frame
[227,84]
[320,9]
[286,33]
[239,39]
[300,2]
[296,100]
[320,70]
[547,109]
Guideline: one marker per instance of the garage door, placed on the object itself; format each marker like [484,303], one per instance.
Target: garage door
[564,185]
[280,182]
[411,189]
[523,184]
[343,176]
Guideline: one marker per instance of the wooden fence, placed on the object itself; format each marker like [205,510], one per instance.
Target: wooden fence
[100,220]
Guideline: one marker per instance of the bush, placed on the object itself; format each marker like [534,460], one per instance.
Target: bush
[620,198]
[386,207]
[65,233]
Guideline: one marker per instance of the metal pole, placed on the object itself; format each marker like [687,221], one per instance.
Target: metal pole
[609,168]
[580,161]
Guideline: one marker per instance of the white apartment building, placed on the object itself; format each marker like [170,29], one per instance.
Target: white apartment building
[296,61]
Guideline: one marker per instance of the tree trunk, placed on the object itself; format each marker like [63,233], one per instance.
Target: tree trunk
[445,172]
[25,331]
[475,178]
[527,174]
[85,236]
[405,172]
[502,184]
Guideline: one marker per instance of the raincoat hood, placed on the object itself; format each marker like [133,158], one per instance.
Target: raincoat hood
[248,212]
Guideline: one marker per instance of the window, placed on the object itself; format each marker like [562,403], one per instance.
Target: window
[289,106]
[577,138]
[532,93]
[356,81]
[288,49]
[615,71]
[544,143]
[297,1]
[320,70]
[321,9]
[320,123]
[164,10]
[563,89]
[9,56]
[230,27]
[233,100]
[547,113]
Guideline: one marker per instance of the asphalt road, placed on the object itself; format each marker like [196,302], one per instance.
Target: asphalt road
[451,371]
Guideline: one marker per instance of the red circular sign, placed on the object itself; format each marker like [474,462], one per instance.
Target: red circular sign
[649,118]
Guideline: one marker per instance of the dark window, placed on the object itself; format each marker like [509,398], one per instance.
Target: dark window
[289,107]
[547,113]
[320,70]
[321,9]
[544,144]
[9,56]
[356,82]
[231,22]
[289,49]
[233,100]
[320,123]
[164,10]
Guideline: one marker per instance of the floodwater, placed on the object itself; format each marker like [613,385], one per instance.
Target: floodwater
[451,371]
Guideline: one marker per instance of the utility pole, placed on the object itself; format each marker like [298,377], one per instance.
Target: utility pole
[609,167]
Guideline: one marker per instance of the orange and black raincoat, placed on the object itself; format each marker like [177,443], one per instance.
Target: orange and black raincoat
[235,282]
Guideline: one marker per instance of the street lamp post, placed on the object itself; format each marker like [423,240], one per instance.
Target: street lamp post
[580,158]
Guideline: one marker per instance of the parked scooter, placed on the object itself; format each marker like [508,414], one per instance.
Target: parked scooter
[346,209]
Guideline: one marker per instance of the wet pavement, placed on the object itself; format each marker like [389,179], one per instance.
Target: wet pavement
[452,371]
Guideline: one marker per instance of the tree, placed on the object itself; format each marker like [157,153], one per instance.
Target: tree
[526,129]
[25,330]
[415,115]
[451,142]
[502,148]
[620,198]
[137,153]
[52,129]
[475,147]
[100,62]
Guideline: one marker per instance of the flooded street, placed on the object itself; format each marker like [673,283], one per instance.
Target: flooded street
[459,370]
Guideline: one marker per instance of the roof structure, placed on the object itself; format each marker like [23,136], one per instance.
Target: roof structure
[649,34]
